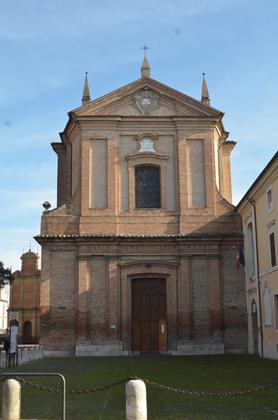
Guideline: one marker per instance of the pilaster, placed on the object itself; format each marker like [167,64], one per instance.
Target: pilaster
[182,171]
[225,170]
[215,298]
[185,300]
[85,174]
[83,300]
[113,300]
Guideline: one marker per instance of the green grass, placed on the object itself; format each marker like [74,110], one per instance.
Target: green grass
[197,373]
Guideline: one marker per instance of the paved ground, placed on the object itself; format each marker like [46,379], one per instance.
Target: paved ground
[198,373]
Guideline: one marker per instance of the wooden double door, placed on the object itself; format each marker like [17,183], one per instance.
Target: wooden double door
[149,315]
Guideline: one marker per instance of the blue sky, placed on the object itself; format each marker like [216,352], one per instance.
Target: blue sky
[47,46]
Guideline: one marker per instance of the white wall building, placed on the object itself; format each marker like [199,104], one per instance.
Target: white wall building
[259,211]
[4,303]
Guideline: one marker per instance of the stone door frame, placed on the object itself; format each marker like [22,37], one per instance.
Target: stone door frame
[159,269]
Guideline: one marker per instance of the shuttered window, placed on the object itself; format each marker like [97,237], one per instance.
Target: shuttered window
[147,187]
[272,249]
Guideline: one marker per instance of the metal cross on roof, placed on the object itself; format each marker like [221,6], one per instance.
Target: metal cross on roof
[145,48]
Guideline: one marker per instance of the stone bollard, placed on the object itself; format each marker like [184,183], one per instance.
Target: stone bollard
[3,357]
[11,396]
[19,357]
[36,353]
[24,355]
[136,400]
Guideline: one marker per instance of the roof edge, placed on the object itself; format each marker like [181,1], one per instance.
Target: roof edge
[151,80]
[259,177]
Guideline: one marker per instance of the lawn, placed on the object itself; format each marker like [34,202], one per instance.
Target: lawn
[197,373]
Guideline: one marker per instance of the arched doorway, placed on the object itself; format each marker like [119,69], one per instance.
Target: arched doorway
[254,319]
[149,315]
[27,332]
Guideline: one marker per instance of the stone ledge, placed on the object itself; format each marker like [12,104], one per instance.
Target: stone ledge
[58,353]
[100,350]
[199,349]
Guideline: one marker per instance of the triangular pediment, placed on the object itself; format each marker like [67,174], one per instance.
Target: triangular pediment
[146,97]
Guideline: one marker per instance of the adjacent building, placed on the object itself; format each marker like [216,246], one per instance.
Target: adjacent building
[259,211]
[140,253]
[4,303]
[25,299]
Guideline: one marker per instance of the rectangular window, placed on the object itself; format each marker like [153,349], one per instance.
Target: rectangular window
[272,249]
[147,187]
[269,199]
[276,310]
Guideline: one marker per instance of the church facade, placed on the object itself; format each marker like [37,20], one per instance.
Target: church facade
[25,299]
[139,255]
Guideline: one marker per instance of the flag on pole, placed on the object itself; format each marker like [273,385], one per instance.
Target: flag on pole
[240,261]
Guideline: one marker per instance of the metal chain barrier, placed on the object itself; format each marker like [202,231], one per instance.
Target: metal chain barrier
[152,384]
[74,392]
[206,394]
[100,388]
[40,387]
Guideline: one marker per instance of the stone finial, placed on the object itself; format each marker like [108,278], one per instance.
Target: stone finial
[46,205]
[86,91]
[205,94]
[145,68]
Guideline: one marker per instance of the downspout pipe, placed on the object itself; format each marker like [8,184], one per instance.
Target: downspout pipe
[258,275]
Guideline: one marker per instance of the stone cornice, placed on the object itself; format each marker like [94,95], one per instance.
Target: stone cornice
[112,237]
[152,155]
[115,118]
[58,147]
[227,147]
[148,263]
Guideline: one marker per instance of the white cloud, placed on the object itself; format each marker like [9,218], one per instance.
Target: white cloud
[67,18]
[24,201]
[60,38]
[31,172]
[30,137]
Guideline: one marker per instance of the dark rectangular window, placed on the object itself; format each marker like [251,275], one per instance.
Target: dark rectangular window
[269,199]
[147,187]
[276,310]
[272,249]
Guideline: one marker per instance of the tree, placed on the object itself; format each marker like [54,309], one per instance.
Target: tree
[5,275]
